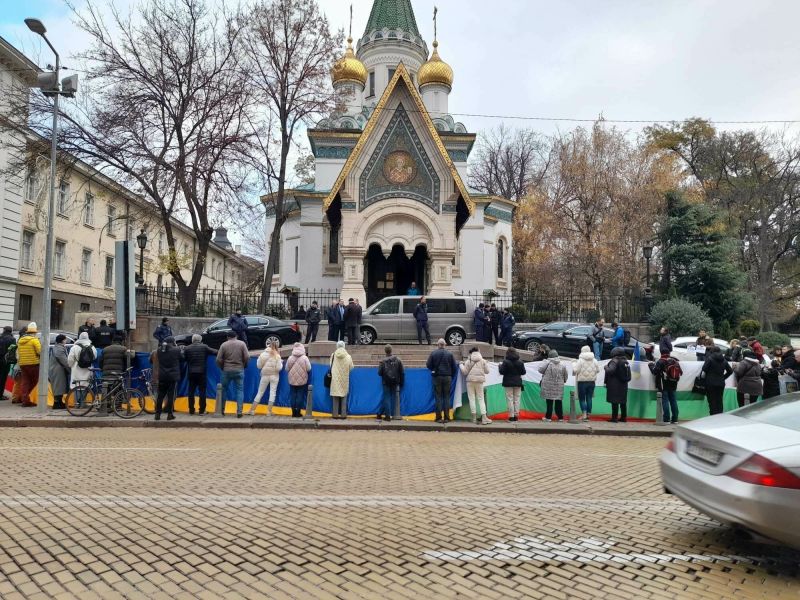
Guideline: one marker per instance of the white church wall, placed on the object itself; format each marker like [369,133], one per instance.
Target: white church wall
[327,170]
[472,262]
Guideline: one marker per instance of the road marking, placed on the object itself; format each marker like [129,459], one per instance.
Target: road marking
[179,501]
[69,448]
[584,550]
[624,455]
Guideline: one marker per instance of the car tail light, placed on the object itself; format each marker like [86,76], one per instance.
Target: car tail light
[670,445]
[295,327]
[762,471]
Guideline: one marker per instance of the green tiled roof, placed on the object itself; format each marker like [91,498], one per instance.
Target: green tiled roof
[392,14]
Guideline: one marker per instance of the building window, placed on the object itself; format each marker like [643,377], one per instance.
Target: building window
[501,259]
[112,220]
[392,71]
[278,259]
[296,259]
[371,83]
[31,183]
[86,266]
[26,260]
[213,268]
[333,246]
[60,262]
[162,242]
[63,198]
[85,307]
[25,304]
[109,276]
[88,209]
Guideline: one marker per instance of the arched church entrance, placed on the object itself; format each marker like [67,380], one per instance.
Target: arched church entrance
[393,275]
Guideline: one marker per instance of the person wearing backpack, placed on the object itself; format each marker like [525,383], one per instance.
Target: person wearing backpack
[443,367]
[667,371]
[586,370]
[554,376]
[80,359]
[512,369]
[298,369]
[392,375]
[6,342]
[618,375]
[270,365]
[618,340]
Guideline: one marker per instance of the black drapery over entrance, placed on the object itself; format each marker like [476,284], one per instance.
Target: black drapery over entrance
[393,276]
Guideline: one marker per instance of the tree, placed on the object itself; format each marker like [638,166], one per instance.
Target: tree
[290,52]
[754,178]
[164,110]
[701,259]
[681,317]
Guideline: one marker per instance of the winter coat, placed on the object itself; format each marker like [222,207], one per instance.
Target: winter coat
[334,315]
[598,334]
[401,373]
[512,369]
[115,359]
[659,371]
[161,333]
[29,349]
[442,363]
[341,365]
[554,376]
[716,370]
[507,324]
[298,367]
[616,388]
[269,364]
[495,316]
[619,337]
[586,368]
[772,384]
[734,354]
[170,358]
[196,355]
[479,319]
[475,368]
[79,373]
[421,313]
[6,340]
[748,378]
[59,370]
[665,344]
[313,316]
[352,315]
[233,356]
[238,325]
[104,336]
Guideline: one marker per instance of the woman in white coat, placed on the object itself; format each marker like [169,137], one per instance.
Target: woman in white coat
[78,373]
[270,365]
[586,370]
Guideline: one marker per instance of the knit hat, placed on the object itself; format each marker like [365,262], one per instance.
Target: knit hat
[340,344]
[32,327]
[585,349]
[84,336]
[553,354]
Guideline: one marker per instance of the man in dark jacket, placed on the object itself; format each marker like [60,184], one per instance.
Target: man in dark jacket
[392,375]
[443,367]
[481,324]
[421,316]
[115,359]
[89,328]
[665,342]
[495,317]
[507,328]
[313,317]
[6,340]
[162,332]
[512,369]
[352,317]
[667,371]
[239,325]
[335,316]
[169,374]
[196,355]
[716,371]
[104,335]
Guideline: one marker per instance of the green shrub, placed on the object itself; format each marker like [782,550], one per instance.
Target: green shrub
[725,331]
[770,339]
[543,316]
[279,311]
[520,312]
[681,317]
[591,316]
[749,327]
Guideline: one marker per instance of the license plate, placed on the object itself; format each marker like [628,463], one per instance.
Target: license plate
[702,453]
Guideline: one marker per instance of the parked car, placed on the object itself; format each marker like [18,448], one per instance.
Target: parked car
[558,326]
[741,468]
[567,342]
[261,332]
[683,348]
[393,319]
[71,337]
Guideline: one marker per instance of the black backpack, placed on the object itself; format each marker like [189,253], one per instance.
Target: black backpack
[391,370]
[86,357]
[624,370]
[11,354]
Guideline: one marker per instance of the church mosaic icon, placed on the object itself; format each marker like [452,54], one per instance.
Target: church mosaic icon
[400,168]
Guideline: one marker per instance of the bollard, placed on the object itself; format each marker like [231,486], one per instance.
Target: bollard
[573,417]
[747,399]
[309,404]
[660,409]
[219,405]
[398,416]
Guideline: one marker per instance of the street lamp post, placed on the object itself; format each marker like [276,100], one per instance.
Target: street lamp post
[647,251]
[141,241]
[37,27]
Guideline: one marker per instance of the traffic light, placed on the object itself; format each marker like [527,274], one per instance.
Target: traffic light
[69,86]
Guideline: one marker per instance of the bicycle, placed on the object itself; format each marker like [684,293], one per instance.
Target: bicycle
[146,377]
[127,402]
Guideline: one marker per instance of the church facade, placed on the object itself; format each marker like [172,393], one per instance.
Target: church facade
[389,205]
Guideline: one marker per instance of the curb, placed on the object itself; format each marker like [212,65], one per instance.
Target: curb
[265,423]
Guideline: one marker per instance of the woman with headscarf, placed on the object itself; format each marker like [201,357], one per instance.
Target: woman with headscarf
[170,358]
[59,372]
[341,364]
[270,365]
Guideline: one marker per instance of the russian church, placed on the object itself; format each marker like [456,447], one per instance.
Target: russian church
[389,205]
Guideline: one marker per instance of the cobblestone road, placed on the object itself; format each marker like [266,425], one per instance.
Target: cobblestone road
[176,513]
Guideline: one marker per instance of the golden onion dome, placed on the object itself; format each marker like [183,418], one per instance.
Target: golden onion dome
[349,68]
[435,70]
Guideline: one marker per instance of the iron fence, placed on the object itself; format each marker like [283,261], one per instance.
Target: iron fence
[530,306]
[283,304]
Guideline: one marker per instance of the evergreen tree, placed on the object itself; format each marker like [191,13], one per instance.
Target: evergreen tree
[699,260]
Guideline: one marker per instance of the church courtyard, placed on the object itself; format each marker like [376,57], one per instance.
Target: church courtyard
[132,513]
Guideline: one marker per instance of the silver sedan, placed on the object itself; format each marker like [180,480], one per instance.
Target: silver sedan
[741,468]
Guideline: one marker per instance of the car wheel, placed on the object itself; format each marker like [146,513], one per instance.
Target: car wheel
[533,346]
[272,338]
[455,337]
[368,336]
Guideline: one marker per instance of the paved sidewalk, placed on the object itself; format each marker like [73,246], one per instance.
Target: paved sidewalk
[16,416]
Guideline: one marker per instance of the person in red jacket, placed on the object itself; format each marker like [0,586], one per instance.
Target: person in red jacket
[757,348]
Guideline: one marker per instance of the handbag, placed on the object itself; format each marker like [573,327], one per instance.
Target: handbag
[699,386]
[328,376]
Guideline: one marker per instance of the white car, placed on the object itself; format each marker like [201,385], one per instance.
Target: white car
[741,468]
[683,348]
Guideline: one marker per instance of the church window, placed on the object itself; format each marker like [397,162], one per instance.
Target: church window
[501,259]
[371,83]
[333,245]
[296,259]
[392,71]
